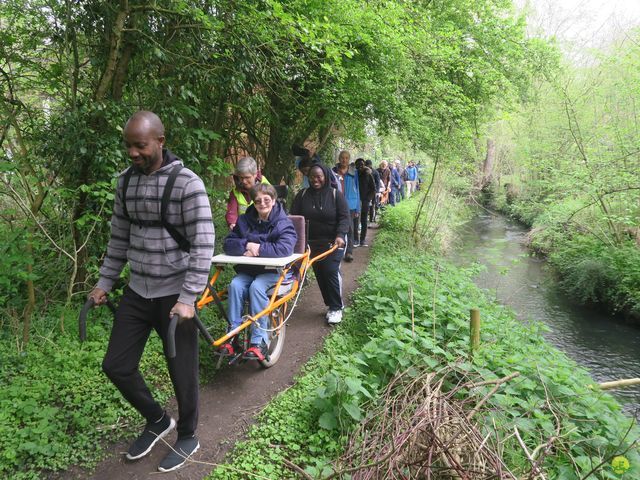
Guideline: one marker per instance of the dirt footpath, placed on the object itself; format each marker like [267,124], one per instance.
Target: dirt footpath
[229,403]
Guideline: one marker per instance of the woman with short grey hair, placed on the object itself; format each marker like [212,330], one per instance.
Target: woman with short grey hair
[245,176]
[246,166]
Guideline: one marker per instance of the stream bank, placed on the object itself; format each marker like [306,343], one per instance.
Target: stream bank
[603,344]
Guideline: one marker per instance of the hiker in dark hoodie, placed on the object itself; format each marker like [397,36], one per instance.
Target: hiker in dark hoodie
[263,231]
[304,160]
[367,186]
[375,205]
[327,212]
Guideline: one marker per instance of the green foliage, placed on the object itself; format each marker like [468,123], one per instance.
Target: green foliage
[13,265]
[595,273]
[56,405]
[304,71]
[571,155]
[552,397]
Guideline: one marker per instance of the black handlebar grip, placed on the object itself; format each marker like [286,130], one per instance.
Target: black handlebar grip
[203,330]
[82,319]
[111,307]
[171,336]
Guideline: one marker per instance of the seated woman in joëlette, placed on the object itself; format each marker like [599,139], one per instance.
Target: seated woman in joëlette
[263,231]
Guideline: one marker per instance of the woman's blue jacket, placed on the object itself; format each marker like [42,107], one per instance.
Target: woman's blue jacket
[276,236]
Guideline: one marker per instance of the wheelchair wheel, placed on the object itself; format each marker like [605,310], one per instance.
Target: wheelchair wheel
[276,335]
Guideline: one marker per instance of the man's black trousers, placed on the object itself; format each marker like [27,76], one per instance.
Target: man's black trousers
[364,221]
[351,234]
[135,318]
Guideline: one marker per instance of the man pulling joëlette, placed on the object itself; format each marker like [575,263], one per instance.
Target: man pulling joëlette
[165,279]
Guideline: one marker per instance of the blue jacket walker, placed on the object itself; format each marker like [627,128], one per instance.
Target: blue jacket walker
[351,188]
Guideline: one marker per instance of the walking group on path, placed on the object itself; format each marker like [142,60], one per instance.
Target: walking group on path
[162,227]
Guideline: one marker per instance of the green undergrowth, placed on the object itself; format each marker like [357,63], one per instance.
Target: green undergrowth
[593,269]
[56,404]
[412,310]
[57,408]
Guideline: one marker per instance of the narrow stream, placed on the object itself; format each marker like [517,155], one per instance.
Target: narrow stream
[608,348]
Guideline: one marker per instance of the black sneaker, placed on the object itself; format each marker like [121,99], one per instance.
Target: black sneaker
[348,257]
[179,454]
[152,433]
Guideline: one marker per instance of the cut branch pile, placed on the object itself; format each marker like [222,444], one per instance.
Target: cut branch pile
[423,432]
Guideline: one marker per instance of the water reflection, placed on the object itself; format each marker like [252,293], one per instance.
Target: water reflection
[609,348]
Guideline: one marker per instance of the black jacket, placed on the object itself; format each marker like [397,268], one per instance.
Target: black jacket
[376,178]
[325,209]
[367,185]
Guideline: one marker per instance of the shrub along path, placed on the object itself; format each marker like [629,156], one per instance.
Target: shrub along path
[229,403]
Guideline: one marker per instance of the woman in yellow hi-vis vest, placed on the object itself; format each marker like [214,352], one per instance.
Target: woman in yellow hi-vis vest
[245,176]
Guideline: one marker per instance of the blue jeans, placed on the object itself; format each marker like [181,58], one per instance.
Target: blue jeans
[245,286]
[393,196]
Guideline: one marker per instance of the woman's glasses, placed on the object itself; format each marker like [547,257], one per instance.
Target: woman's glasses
[263,200]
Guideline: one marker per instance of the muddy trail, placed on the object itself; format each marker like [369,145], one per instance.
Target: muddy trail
[229,403]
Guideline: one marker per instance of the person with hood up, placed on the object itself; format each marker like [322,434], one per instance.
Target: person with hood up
[304,160]
[264,230]
[327,212]
[375,205]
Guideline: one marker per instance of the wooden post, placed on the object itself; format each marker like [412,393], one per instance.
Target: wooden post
[475,330]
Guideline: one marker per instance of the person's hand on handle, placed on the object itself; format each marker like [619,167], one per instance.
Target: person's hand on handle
[183,310]
[253,249]
[339,242]
[99,296]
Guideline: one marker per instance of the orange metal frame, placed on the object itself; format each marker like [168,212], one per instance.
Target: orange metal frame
[275,300]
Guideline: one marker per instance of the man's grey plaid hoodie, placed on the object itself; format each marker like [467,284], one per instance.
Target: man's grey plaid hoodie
[158,267]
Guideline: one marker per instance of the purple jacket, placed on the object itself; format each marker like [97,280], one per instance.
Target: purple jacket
[276,236]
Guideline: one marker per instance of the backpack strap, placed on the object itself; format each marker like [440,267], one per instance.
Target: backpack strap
[182,242]
[125,186]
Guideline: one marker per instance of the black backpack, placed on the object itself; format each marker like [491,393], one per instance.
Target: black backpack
[182,242]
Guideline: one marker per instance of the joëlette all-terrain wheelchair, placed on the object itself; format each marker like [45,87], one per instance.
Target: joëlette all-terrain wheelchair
[283,298]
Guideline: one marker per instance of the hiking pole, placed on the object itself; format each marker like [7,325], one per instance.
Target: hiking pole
[171,333]
[82,319]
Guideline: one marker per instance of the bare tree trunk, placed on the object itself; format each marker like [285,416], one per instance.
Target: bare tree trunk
[489,162]
[115,45]
[31,294]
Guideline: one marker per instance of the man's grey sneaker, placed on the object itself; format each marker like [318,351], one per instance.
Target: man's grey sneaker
[362,244]
[356,244]
[152,433]
[178,456]
[334,317]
